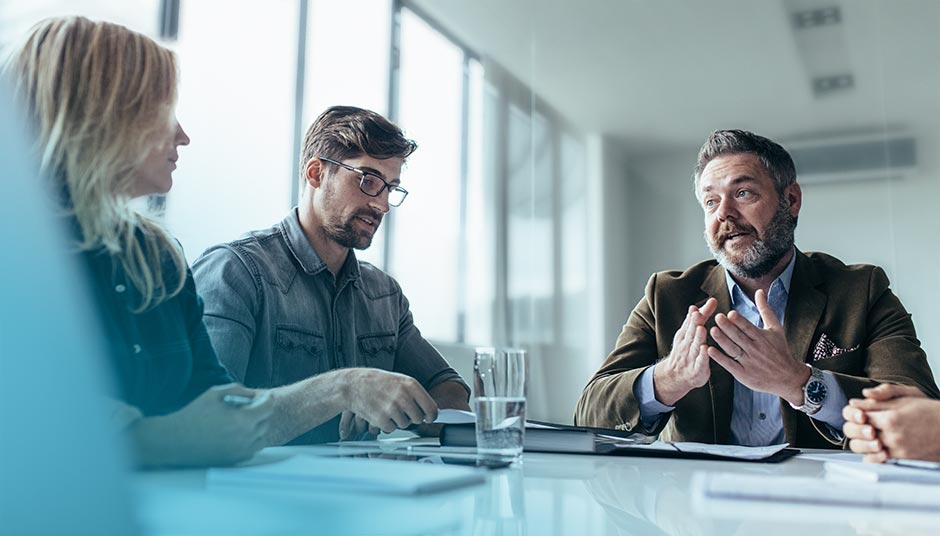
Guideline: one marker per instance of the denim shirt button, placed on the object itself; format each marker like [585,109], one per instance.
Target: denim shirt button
[120,288]
[137,349]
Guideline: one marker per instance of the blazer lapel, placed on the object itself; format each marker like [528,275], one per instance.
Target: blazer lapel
[805,306]
[720,383]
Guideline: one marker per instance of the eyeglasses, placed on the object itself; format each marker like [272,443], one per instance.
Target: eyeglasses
[372,185]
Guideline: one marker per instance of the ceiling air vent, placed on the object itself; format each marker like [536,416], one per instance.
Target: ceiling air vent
[819,35]
[855,158]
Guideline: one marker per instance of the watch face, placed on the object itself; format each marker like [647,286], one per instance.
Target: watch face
[816,392]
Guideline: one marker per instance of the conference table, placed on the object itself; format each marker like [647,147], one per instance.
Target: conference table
[545,494]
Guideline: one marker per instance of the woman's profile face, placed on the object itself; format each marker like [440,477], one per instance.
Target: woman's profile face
[155,173]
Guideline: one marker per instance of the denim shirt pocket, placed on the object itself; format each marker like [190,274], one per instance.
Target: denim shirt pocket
[298,355]
[378,350]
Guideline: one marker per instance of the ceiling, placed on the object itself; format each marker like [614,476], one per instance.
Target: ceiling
[658,76]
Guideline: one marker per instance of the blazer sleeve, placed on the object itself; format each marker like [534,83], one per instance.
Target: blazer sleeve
[894,354]
[608,400]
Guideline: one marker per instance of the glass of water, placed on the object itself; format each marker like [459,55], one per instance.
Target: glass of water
[499,388]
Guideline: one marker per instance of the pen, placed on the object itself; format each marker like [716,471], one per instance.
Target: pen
[237,401]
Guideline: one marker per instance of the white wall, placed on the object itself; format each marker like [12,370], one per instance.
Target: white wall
[891,223]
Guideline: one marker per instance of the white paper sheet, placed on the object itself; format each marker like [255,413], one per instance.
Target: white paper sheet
[732,451]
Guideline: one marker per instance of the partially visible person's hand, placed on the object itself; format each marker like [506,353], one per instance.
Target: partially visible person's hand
[687,365]
[207,431]
[906,427]
[388,400]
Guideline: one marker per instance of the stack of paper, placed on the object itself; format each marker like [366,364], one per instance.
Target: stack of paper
[362,475]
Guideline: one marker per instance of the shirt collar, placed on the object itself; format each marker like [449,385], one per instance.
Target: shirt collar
[306,255]
[784,279]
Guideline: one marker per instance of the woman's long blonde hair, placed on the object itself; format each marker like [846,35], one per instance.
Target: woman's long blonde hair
[98,95]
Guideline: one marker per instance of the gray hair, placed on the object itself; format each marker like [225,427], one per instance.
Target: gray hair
[773,156]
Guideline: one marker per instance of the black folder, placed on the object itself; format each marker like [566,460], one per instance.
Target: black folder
[566,439]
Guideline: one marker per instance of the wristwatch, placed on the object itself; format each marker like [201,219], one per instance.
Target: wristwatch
[814,392]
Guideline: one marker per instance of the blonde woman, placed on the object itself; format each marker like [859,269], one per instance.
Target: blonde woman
[101,102]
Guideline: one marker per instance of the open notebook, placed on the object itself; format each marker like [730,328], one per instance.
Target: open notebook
[360,475]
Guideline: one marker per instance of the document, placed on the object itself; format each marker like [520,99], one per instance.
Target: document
[455,416]
[359,475]
[738,487]
[726,451]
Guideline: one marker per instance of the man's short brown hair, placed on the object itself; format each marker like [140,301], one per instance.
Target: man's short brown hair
[343,132]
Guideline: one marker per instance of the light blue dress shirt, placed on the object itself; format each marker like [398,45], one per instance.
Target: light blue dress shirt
[755,418]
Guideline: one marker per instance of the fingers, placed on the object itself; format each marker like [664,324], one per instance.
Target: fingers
[346,425]
[735,320]
[766,311]
[361,427]
[698,339]
[878,457]
[884,421]
[868,404]
[726,362]
[680,342]
[853,414]
[858,431]
[727,345]
[686,341]
[414,414]
[709,308]
[866,446]
[427,404]
[887,391]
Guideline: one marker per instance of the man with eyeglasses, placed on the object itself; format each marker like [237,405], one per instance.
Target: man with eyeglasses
[293,305]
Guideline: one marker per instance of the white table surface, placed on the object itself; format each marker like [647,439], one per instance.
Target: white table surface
[548,494]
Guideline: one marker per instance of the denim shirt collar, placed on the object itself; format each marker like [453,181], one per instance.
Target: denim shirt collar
[302,250]
[784,279]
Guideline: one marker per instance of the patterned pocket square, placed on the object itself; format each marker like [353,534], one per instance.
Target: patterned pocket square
[825,349]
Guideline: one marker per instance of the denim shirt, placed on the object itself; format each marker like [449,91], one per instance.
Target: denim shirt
[276,315]
[161,358]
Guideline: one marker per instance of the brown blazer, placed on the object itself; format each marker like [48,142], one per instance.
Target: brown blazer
[839,318]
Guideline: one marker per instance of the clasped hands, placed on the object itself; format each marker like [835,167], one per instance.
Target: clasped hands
[759,358]
[893,421]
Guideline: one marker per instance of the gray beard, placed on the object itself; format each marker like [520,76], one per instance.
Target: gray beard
[764,253]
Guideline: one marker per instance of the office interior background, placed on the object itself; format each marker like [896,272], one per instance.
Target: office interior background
[556,143]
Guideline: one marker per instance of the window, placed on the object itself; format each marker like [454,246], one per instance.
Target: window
[347,61]
[425,231]
[236,98]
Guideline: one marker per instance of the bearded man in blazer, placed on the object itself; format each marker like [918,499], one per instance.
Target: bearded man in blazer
[764,344]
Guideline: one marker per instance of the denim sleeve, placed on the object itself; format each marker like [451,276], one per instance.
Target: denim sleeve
[207,371]
[416,357]
[831,411]
[231,298]
[651,410]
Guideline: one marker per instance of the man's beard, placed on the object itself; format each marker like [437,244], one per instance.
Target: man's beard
[345,233]
[764,253]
